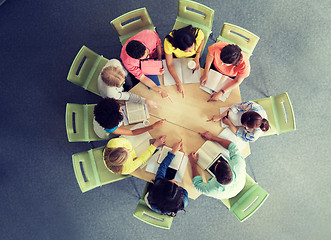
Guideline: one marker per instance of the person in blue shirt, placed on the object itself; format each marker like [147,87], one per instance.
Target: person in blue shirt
[164,195]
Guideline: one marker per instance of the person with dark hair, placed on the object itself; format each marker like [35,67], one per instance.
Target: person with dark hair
[183,43]
[164,195]
[252,117]
[230,176]
[108,119]
[145,44]
[120,157]
[229,60]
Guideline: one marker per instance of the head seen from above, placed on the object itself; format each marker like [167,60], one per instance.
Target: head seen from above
[136,50]
[253,120]
[231,54]
[166,196]
[115,158]
[223,172]
[107,113]
[184,38]
[113,76]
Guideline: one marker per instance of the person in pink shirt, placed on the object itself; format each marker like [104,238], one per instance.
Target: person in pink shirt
[145,44]
[229,60]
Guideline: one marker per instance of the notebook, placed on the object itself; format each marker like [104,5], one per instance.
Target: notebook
[151,66]
[176,161]
[216,81]
[184,74]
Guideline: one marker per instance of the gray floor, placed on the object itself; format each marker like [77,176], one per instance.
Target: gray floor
[40,198]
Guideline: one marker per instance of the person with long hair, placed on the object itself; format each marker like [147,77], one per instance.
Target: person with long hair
[229,60]
[120,157]
[164,195]
[253,119]
[183,43]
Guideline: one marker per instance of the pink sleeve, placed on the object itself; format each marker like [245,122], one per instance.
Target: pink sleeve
[134,70]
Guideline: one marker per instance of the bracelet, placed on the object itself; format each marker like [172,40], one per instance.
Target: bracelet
[222,91]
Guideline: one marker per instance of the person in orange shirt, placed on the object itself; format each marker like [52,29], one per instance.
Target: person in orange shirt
[229,60]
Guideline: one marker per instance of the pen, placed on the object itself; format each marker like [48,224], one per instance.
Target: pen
[227,114]
[193,71]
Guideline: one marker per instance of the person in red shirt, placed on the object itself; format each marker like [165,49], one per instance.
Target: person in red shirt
[145,44]
[229,60]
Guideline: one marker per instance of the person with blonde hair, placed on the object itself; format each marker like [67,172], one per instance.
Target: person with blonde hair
[114,80]
[120,157]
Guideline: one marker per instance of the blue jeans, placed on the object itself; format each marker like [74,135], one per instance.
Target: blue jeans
[155,79]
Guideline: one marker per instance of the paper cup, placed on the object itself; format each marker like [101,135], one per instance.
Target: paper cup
[191,64]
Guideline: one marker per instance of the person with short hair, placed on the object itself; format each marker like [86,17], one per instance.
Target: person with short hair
[229,60]
[182,43]
[114,80]
[253,119]
[230,176]
[108,119]
[145,44]
[164,195]
[120,157]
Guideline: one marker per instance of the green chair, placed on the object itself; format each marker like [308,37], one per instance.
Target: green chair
[145,214]
[91,171]
[195,14]
[280,113]
[237,35]
[131,23]
[79,123]
[248,200]
[85,69]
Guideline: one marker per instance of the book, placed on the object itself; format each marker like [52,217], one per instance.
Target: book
[176,161]
[229,135]
[151,66]
[135,112]
[141,142]
[208,153]
[216,81]
[185,74]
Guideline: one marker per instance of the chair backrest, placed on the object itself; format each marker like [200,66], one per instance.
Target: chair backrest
[91,171]
[131,23]
[280,113]
[79,123]
[248,200]
[233,34]
[195,14]
[145,214]
[85,69]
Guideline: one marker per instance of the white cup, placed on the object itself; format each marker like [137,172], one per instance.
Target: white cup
[191,64]
[146,123]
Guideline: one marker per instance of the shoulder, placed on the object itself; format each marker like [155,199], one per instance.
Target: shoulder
[118,142]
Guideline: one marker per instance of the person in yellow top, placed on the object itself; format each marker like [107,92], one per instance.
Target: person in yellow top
[120,157]
[182,43]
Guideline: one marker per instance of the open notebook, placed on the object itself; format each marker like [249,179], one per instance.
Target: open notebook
[185,74]
[176,161]
[134,113]
[216,81]
[141,142]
